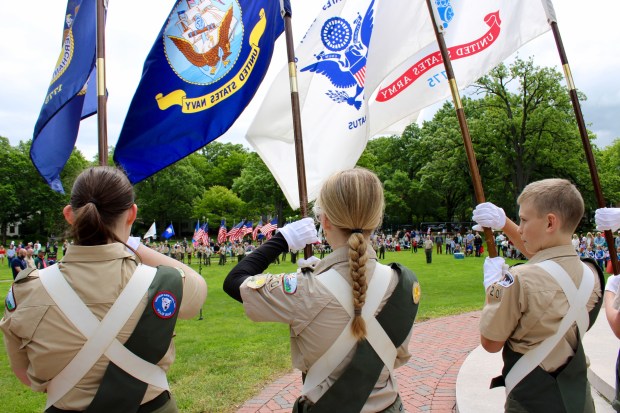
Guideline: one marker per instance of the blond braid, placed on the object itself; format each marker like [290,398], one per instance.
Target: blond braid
[357,266]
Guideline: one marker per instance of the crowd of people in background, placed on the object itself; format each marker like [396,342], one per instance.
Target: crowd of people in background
[29,255]
[595,247]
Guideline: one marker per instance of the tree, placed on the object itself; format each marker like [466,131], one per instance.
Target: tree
[259,190]
[218,202]
[169,194]
[224,162]
[525,126]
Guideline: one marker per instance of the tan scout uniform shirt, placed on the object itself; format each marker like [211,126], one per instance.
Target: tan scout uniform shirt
[316,320]
[39,338]
[528,311]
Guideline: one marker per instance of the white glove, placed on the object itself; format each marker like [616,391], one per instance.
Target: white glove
[300,233]
[488,215]
[308,263]
[133,242]
[607,218]
[494,270]
[612,283]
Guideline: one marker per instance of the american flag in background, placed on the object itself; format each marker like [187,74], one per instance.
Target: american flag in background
[268,228]
[235,231]
[205,233]
[221,235]
[198,232]
[247,229]
[258,227]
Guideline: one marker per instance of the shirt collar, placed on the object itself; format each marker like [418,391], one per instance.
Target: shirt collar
[553,252]
[340,255]
[107,252]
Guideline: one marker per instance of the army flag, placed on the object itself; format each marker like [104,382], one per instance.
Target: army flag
[204,68]
[70,97]
[479,35]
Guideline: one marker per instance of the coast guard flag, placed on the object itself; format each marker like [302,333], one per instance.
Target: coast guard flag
[335,67]
[70,97]
[204,68]
[479,35]
[169,232]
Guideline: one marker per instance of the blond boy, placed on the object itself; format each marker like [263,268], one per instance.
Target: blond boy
[537,313]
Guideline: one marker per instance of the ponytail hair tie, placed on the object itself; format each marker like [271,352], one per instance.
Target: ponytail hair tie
[93,201]
[357,231]
[357,312]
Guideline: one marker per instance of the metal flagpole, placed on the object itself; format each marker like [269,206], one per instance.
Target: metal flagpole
[102,123]
[299,148]
[460,113]
[583,132]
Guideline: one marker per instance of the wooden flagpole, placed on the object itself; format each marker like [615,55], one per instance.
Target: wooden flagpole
[102,122]
[299,148]
[583,132]
[460,113]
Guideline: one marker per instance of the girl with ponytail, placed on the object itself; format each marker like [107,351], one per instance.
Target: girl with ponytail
[343,308]
[52,326]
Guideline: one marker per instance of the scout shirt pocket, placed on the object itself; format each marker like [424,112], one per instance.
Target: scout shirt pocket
[25,321]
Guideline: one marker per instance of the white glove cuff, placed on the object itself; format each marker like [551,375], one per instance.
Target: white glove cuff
[133,242]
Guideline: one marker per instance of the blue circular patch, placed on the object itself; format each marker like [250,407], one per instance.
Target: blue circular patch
[336,34]
[164,304]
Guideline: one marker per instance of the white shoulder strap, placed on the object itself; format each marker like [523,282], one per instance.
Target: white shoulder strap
[577,312]
[376,336]
[101,336]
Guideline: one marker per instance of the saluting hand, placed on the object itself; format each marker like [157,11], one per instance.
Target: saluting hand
[300,233]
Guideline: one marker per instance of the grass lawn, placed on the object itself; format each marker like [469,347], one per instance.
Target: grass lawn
[225,359]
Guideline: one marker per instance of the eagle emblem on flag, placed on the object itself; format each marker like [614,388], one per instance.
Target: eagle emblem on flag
[203,39]
[344,61]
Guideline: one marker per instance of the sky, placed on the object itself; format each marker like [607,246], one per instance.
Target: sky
[31,43]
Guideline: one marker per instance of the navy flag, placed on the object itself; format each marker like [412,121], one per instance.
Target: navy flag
[71,95]
[204,68]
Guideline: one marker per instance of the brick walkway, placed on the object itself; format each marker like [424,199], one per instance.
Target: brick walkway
[427,382]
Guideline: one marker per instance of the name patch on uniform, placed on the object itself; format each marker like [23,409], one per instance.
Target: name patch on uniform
[507,281]
[289,283]
[9,301]
[164,304]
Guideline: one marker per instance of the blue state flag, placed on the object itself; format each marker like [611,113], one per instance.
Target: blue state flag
[204,68]
[169,232]
[70,97]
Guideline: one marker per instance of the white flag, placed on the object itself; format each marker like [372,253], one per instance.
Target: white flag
[479,35]
[151,233]
[332,76]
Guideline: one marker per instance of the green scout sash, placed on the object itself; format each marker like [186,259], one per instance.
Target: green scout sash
[351,390]
[119,391]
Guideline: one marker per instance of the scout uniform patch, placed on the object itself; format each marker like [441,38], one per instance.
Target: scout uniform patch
[507,281]
[257,281]
[274,281]
[417,292]
[9,301]
[164,304]
[289,283]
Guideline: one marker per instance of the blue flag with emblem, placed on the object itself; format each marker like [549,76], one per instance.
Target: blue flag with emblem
[169,232]
[203,70]
[70,97]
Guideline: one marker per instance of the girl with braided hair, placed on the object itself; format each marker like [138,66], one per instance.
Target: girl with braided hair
[350,317]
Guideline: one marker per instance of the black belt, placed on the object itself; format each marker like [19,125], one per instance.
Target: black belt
[147,407]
